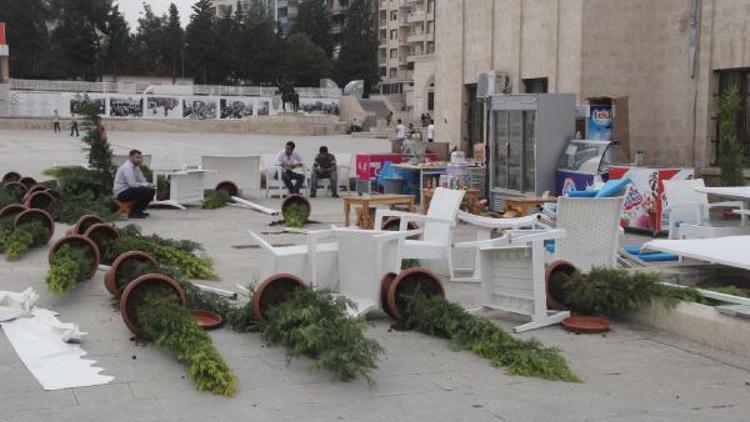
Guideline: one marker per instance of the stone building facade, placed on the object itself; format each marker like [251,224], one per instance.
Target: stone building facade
[668,57]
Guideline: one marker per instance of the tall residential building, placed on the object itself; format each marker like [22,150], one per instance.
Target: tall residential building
[285,11]
[337,10]
[406,34]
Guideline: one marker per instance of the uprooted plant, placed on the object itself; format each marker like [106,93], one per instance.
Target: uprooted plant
[215,199]
[172,254]
[17,243]
[315,323]
[69,265]
[437,317]
[610,291]
[171,327]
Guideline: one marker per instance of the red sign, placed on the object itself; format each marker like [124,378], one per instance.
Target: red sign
[369,165]
[2,33]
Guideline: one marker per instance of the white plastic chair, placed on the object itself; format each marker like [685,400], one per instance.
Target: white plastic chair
[485,226]
[512,275]
[273,176]
[244,171]
[688,211]
[438,226]
[315,262]
[365,257]
[343,169]
[592,227]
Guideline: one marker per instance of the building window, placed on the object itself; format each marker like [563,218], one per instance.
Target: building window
[741,79]
[394,34]
[394,15]
[394,53]
[535,86]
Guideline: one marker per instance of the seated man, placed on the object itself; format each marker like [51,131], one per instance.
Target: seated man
[289,161]
[131,186]
[324,168]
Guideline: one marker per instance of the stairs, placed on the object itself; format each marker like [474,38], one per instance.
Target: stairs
[374,124]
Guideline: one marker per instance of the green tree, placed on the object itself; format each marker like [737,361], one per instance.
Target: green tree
[96,143]
[358,58]
[174,42]
[225,60]
[259,45]
[147,52]
[731,156]
[200,41]
[313,20]
[28,37]
[116,46]
[78,36]
[305,63]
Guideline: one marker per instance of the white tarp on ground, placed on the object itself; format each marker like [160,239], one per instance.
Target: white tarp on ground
[42,343]
[731,251]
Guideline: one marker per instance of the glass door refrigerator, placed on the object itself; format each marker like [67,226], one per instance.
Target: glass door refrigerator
[527,135]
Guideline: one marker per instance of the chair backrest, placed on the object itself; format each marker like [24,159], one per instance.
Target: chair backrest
[268,162]
[683,200]
[592,228]
[364,258]
[444,204]
[344,166]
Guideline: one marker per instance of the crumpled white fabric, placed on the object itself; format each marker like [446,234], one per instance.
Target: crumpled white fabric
[44,343]
[15,305]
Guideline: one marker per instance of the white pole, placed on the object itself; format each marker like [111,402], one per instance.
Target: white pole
[260,208]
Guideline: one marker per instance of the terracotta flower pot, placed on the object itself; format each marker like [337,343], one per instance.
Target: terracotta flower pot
[29,215]
[27,181]
[35,188]
[78,241]
[273,291]
[385,285]
[228,187]
[84,222]
[138,288]
[19,189]
[103,235]
[394,223]
[11,176]
[296,199]
[407,283]
[556,275]
[115,271]
[41,200]
[53,192]
[12,210]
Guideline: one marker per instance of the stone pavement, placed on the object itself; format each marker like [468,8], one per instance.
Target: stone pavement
[630,374]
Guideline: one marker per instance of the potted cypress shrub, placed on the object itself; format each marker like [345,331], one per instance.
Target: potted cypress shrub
[396,289]
[214,199]
[10,211]
[153,306]
[273,291]
[72,259]
[296,210]
[35,188]
[229,187]
[16,189]
[41,199]
[125,268]
[104,236]
[10,176]
[84,222]
[28,182]
[31,228]
[557,274]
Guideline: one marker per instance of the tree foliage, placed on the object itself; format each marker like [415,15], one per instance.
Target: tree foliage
[359,46]
[313,20]
[731,156]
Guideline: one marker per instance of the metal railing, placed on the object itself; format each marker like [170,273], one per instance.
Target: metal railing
[138,88]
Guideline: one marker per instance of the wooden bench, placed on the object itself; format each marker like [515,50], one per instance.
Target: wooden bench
[123,208]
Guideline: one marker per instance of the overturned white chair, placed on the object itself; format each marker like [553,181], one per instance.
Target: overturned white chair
[485,227]
[436,242]
[243,171]
[592,227]
[315,262]
[512,275]
[689,212]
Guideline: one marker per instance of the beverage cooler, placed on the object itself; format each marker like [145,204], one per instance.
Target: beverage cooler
[527,136]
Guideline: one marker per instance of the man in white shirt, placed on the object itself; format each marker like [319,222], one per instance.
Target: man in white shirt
[131,186]
[400,131]
[289,161]
[431,131]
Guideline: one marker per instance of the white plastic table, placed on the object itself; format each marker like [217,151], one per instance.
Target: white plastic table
[185,187]
[244,171]
[736,193]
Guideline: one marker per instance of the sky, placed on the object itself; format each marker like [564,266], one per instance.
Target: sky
[132,9]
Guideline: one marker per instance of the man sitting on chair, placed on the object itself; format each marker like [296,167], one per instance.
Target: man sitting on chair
[131,186]
[324,168]
[289,161]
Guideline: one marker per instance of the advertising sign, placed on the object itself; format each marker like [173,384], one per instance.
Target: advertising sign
[2,34]
[600,122]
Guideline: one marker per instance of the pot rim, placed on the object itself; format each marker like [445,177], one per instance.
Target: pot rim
[128,319]
[88,242]
[41,212]
[392,290]
[110,279]
[258,295]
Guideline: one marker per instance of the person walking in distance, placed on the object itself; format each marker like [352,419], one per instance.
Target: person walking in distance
[291,164]
[131,186]
[324,168]
[431,131]
[400,130]
[74,126]
[56,122]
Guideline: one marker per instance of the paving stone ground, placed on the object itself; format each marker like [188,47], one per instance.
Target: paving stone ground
[630,374]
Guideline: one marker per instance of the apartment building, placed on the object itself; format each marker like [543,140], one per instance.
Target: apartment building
[406,34]
[669,59]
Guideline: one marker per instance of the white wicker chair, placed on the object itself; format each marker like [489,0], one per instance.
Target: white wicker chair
[512,275]
[485,227]
[438,226]
[244,171]
[688,212]
[592,228]
[316,262]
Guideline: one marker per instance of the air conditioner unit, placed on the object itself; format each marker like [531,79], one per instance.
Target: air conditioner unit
[494,83]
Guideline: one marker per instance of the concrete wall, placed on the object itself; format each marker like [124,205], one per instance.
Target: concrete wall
[424,74]
[592,48]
